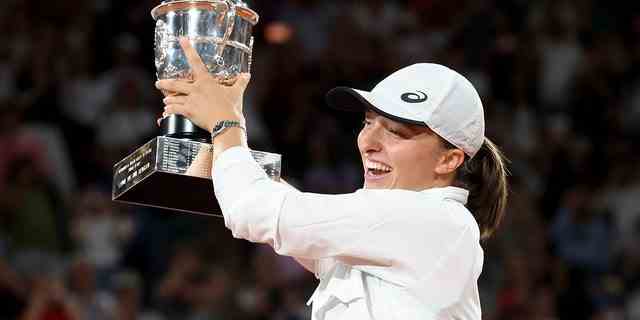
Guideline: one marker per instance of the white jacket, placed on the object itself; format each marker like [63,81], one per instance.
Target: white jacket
[379,254]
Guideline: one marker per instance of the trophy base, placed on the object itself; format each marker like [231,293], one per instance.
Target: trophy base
[175,174]
[180,127]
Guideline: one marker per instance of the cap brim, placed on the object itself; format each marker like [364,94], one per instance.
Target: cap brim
[348,99]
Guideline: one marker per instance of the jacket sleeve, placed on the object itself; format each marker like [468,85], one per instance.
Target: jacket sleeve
[303,225]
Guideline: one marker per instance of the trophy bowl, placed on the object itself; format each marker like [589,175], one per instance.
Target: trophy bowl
[219,30]
[173,171]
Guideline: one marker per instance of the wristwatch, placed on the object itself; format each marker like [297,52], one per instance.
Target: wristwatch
[223,125]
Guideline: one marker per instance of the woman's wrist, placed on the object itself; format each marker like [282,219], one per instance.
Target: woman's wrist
[236,116]
[229,138]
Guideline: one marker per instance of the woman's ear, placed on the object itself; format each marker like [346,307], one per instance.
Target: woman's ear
[450,160]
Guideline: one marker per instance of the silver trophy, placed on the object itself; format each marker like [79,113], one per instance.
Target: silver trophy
[173,171]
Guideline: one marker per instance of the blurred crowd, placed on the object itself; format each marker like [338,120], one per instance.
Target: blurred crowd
[560,83]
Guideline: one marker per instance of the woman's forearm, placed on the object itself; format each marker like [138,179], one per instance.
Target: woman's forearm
[231,137]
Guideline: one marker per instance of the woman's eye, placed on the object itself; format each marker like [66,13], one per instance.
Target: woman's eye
[365,122]
[396,133]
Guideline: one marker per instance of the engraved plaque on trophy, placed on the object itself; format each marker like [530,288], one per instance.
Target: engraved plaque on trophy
[173,171]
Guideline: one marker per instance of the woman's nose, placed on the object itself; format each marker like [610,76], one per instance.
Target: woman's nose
[369,139]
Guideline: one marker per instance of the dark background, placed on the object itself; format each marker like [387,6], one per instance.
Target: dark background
[560,84]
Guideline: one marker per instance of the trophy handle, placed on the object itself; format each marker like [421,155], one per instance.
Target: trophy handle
[250,55]
[231,21]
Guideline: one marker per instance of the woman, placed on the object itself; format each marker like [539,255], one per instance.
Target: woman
[406,246]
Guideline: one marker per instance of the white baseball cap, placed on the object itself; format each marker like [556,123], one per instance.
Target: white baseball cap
[425,94]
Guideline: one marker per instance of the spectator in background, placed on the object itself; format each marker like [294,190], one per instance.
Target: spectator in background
[49,301]
[7,69]
[175,289]
[582,237]
[621,195]
[100,232]
[128,298]
[325,171]
[212,297]
[311,20]
[276,279]
[38,85]
[515,296]
[124,123]
[581,233]
[561,54]
[630,270]
[32,216]
[91,302]
[84,98]
[16,142]
[12,292]
[380,19]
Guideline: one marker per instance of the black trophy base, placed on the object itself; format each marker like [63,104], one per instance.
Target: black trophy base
[174,192]
[177,126]
[175,174]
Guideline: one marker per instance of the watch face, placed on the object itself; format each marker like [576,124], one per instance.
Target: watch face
[218,129]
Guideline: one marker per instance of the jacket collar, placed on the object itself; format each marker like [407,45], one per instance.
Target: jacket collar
[452,193]
[448,193]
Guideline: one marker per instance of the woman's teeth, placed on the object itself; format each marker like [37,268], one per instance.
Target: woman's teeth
[376,166]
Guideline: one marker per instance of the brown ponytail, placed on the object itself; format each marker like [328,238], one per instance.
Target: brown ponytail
[485,176]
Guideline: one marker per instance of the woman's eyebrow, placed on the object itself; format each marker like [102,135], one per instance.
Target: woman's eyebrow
[417,129]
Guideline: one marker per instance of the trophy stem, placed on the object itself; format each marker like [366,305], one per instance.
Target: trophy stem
[179,127]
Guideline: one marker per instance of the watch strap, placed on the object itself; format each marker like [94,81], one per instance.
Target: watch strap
[223,125]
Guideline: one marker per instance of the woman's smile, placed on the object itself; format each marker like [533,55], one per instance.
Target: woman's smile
[375,171]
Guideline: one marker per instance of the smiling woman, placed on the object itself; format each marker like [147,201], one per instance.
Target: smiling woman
[406,245]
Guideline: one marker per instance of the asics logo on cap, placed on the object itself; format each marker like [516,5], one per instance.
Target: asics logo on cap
[414,97]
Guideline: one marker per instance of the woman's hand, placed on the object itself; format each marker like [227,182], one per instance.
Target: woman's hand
[203,99]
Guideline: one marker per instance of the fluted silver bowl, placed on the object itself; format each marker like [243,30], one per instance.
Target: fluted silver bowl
[220,30]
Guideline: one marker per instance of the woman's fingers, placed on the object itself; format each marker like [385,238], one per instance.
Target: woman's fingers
[242,81]
[175,86]
[174,100]
[177,109]
[197,66]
